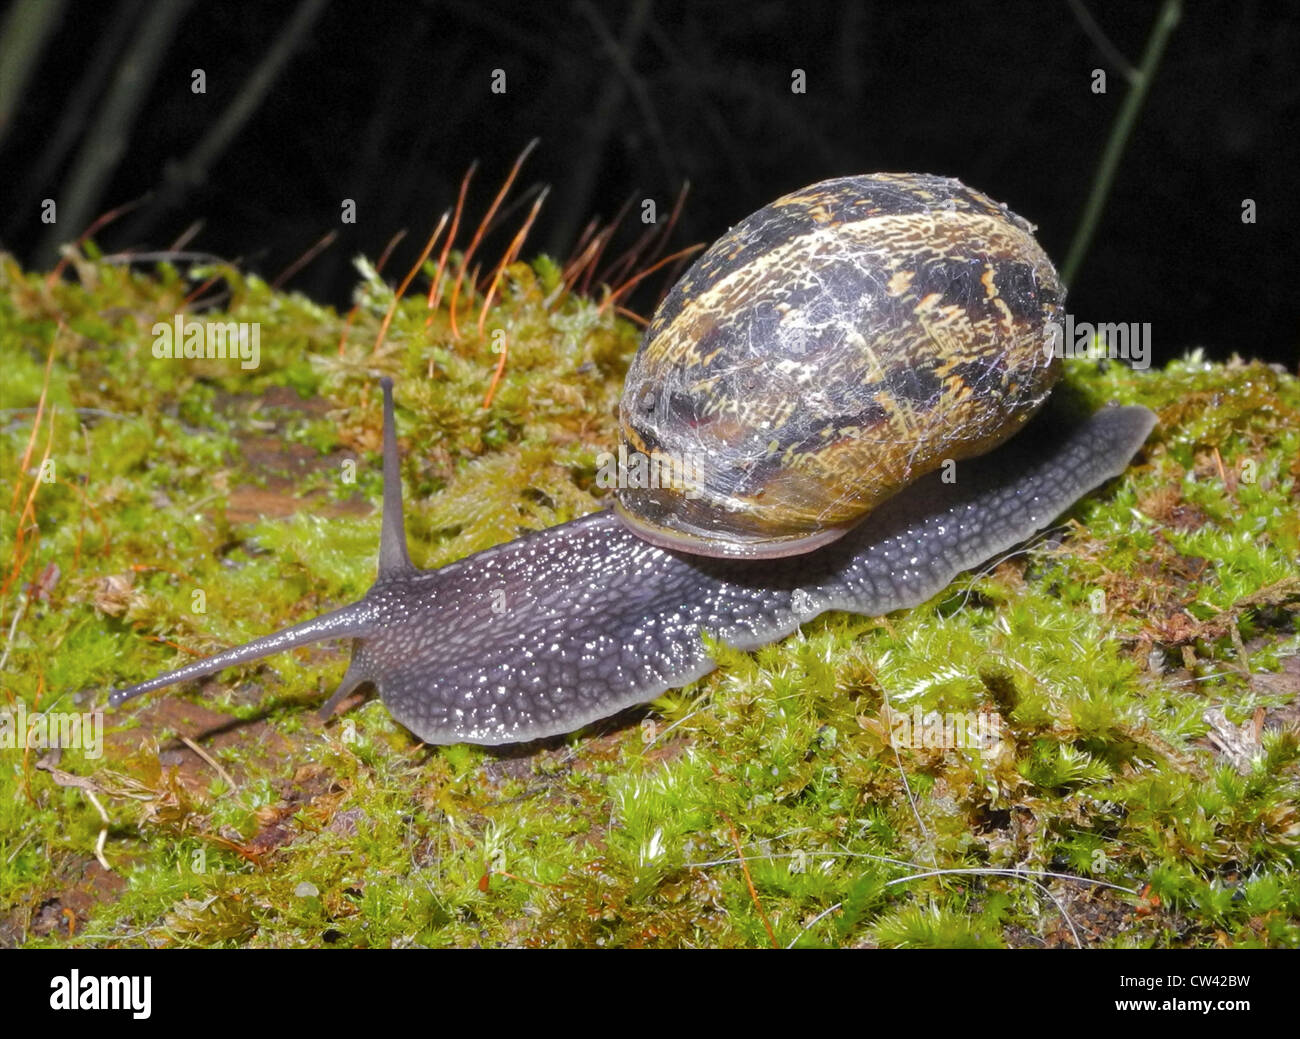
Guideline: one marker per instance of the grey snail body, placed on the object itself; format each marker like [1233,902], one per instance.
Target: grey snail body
[562,627]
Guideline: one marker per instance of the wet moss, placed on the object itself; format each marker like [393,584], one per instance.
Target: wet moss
[1137,666]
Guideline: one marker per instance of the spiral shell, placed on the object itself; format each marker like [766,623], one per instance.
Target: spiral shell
[827,351]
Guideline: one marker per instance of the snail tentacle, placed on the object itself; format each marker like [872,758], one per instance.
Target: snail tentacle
[356,620]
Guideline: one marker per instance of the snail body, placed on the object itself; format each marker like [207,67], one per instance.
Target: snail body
[880,326]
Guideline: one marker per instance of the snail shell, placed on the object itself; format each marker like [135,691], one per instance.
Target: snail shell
[827,351]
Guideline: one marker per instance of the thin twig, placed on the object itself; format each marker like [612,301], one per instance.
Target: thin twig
[907,787]
[13,628]
[211,761]
[1108,50]
[103,830]
[87,787]
[1166,20]
[325,242]
[814,922]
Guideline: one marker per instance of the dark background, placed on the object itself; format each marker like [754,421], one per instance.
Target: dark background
[388,104]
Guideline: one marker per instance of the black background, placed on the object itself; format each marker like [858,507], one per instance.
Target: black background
[282,989]
[388,104]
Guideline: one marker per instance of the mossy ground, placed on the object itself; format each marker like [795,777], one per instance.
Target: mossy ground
[765,804]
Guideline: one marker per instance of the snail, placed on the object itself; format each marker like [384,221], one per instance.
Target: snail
[842,376]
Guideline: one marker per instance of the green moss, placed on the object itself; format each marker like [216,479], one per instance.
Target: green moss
[1105,793]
